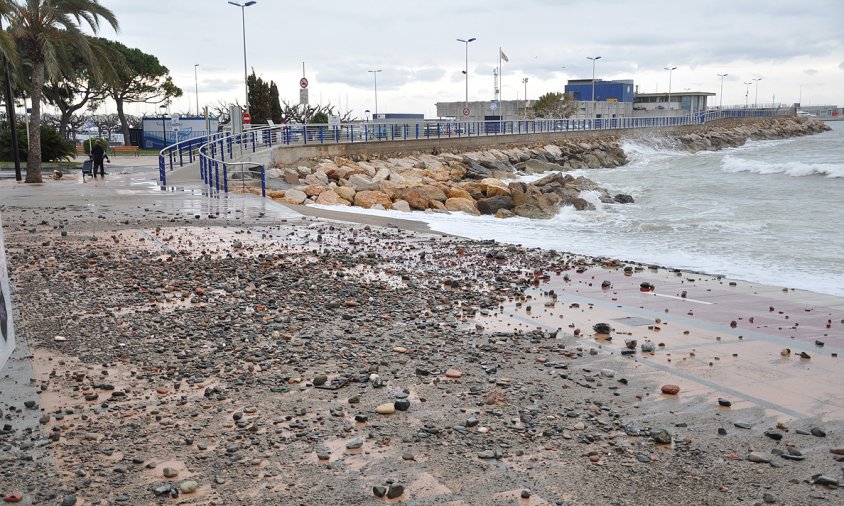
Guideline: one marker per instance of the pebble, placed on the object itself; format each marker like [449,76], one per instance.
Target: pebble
[818,432]
[354,444]
[379,491]
[776,436]
[402,404]
[724,402]
[661,436]
[395,491]
[453,373]
[759,457]
[525,494]
[769,498]
[188,487]
[320,379]
[68,500]
[388,408]
[170,472]
[670,389]
[13,497]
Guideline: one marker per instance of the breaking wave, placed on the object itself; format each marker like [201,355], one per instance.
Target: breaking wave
[733,164]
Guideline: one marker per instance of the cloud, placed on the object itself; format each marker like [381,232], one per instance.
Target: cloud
[841,65]
[810,72]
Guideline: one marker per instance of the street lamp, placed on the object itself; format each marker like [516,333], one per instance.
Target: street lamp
[756,99]
[243,21]
[525,81]
[375,76]
[367,115]
[746,93]
[164,122]
[594,59]
[669,69]
[196,87]
[721,103]
[466,71]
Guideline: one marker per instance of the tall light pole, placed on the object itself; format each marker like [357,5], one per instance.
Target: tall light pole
[466,71]
[196,87]
[756,99]
[243,22]
[721,103]
[670,70]
[594,59]
[525,81]
[746,93]
[375,76]
[164,122]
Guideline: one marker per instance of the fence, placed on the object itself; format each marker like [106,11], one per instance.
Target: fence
[216,152]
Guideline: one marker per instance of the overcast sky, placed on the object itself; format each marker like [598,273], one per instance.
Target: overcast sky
[790,45]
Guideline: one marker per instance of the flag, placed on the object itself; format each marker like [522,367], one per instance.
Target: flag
[503,56]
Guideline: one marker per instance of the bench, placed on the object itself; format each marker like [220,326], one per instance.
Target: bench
[80,149]
[125,149]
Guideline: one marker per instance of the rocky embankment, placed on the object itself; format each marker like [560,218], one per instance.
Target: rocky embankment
[472,182]
[736,133]
[483,182]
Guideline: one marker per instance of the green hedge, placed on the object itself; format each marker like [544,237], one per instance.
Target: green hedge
[53,147]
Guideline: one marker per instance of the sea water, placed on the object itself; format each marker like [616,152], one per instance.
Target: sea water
[769,211]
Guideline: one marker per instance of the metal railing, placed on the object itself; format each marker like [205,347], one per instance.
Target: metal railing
[215,153]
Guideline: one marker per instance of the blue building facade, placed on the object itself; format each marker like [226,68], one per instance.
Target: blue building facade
[605,91]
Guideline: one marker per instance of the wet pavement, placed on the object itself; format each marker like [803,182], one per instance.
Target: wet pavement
[714,337]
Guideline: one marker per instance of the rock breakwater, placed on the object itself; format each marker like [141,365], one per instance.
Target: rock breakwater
[475,182]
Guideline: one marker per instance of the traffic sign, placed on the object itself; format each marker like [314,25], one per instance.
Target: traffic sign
[247,118]
[466,111]
[303,83]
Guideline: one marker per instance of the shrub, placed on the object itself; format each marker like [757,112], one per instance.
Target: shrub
[89,143]
[53,147]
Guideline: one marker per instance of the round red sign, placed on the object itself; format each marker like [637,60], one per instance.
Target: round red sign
[303,83]
[465,111]
[247,119]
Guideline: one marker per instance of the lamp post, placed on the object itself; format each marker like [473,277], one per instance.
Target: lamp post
[525,81]
[367,115]
[243,22]
[746,93]
[466,71]
[594,59]
[721,102]
[196,87]
[670,70]
[375,76]
[164,122]
[756,98]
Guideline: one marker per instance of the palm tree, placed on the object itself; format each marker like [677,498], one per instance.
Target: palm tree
[41,29]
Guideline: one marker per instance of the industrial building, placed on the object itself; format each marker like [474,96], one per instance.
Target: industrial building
[681,102]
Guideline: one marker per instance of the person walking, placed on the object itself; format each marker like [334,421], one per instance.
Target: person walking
[98,154]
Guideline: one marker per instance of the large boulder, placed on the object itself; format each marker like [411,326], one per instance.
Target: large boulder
[534,166]
[455,192]
[420,197]
[361,182]
[369,198]
[295,197]
[331,198]
[493,187]
[530,211]
[401,205]
[494,204]
[623,198]
[476,170]
[346,193]
[314,190]
[461,205]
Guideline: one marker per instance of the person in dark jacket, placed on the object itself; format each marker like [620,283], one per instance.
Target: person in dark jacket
[98,154]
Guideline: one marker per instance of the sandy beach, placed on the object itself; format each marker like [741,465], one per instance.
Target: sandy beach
[187,348]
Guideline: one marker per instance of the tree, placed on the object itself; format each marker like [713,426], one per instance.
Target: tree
[260,102]
[77,84]
[554,105]
[275,105]
[139,78]
[41,28]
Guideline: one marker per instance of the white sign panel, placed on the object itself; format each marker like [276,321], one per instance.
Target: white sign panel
[7,330]
[303,96]
[333,120]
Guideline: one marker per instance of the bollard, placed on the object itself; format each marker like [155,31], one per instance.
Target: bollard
[225,178]
[263,182]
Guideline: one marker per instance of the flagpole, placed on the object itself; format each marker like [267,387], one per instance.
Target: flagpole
[500,88]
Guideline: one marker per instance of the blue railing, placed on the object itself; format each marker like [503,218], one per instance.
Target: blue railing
[215,152]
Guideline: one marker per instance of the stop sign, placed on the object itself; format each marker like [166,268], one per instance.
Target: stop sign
[247,119]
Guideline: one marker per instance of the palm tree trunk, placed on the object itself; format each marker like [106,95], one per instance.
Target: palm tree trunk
[33,162]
